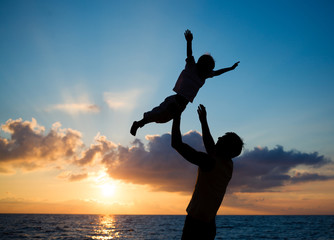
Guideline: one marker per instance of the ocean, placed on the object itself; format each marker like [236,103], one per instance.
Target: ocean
[58,226]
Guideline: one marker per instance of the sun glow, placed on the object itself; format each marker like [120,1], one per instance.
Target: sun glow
[107,189]
[105,184]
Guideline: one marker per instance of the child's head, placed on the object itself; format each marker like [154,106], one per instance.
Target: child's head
[229,145]
[205,63]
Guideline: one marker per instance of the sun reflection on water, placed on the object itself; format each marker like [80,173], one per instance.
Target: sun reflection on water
[106,229]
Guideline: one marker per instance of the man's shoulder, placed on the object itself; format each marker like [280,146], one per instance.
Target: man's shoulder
[190,60]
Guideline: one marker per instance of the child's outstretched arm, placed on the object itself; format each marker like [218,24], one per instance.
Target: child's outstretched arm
[224,70]
[189,37]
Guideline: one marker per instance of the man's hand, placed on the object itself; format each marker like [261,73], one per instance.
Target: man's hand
[235,65]
[201,113]
[188,35]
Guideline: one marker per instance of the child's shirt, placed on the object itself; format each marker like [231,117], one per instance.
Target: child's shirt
[189,82]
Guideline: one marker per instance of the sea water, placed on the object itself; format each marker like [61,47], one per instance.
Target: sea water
[57,226]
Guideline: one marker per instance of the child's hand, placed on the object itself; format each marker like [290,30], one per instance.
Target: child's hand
[235,65]
[188,35]
[201,113]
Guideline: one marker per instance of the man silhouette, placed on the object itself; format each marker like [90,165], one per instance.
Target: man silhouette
[215,169]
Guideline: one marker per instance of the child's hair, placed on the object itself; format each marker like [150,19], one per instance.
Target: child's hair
[230,144]
[206,61]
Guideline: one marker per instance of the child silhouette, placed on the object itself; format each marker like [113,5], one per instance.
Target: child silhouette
[188,84]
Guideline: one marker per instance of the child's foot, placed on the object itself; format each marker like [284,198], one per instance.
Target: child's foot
[134,127]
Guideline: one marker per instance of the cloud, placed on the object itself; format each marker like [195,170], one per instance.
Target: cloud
[96,151]
[160,166]
[78,177]
[125,101]
[262,169]
[155,164]
[30,148]
[73,177]
[75,108]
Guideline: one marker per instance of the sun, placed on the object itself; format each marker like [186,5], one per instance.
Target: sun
[105,184]
[107,189]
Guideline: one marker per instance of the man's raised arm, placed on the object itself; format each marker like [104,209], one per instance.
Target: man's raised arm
[176,134]
[207,138]
[190,154]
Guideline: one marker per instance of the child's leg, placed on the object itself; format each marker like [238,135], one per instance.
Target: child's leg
[136,125]
[155,115]
[161,114]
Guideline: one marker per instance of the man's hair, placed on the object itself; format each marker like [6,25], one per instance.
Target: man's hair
[206,61]
[232,144]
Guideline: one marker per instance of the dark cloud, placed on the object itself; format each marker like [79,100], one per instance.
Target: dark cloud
[257,170]
[262,169]
[306,177]
[158,165]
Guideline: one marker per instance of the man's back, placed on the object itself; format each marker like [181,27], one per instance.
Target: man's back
[210,189]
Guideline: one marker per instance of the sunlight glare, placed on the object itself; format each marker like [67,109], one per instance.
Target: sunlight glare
[105,184]
[107,189]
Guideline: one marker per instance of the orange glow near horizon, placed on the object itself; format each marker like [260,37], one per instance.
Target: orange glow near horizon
[103,195]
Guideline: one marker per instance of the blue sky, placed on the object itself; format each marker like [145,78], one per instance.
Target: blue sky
[57,53]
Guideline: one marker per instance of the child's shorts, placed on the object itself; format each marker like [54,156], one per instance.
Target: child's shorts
[167,109]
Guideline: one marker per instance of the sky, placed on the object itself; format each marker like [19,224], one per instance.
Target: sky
[74,75]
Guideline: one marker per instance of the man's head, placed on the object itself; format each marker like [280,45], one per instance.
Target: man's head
[206,64]
[229,145]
